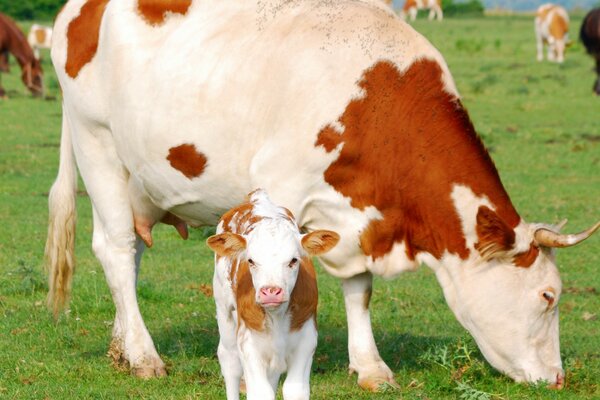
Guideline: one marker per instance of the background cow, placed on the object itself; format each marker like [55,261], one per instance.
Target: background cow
[367,138]
[590,37]
[265,290]
[39,37]
[411,7]
[551,29]
[13,41]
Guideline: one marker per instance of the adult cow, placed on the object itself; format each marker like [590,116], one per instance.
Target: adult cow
[342,112]
[551,26]
[589,34]
[39,37]
[411,7]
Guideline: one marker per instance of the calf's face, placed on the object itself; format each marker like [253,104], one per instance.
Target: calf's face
[274,250]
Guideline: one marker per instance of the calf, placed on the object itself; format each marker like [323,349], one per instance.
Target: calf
[590,37]
[39,37]
[266,295]
[412,6]
[552,29]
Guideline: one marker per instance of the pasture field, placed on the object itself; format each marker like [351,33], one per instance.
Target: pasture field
[541,124]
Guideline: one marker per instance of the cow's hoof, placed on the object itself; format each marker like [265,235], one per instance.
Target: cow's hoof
[242,385]
[377,384]
[148,372]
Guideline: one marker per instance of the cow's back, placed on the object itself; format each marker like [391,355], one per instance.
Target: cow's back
[243,88]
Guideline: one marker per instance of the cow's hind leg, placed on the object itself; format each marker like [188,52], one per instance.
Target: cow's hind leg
[364,356]
[114,243]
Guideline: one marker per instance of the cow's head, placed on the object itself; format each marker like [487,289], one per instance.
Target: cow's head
[274,250]
[32,76]
[507,296]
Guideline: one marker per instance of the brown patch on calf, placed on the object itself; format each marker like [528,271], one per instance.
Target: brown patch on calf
[82,36]
[248,311]
[406,143]
[305,296]
[155,11]
[527,258]
[187,160]
[40,36]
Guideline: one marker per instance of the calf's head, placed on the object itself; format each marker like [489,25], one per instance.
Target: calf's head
[507,296]
[274,250]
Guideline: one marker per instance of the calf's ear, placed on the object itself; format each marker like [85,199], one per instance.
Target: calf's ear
[226,244]
[319,242]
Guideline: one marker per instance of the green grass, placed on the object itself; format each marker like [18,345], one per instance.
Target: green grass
[541,123]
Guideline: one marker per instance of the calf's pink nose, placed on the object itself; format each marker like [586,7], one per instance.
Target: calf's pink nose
[271,294]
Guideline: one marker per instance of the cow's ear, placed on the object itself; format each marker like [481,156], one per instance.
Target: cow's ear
[319,242]
[495,237]
[227,244]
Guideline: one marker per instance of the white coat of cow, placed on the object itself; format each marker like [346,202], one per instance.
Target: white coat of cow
[265,290]
[174,110]
[551,29]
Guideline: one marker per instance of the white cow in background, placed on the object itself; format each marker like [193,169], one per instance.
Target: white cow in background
[551,29]
[411,7]
[39,37]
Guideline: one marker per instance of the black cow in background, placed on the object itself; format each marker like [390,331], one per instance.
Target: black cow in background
[590,36]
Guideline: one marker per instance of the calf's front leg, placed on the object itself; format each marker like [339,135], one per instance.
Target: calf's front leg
[299,361]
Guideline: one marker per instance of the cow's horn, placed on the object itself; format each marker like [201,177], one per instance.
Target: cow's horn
[548,238]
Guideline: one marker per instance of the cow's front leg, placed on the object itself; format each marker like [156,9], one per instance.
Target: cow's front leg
[364,356]
[259,385]
[299,361]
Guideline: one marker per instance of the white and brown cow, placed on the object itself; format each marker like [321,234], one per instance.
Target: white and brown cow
[411,7]
[265,290]
[551,29]
[367,138]
[39,37]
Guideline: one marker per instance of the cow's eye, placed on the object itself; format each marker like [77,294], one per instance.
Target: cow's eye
[293,262]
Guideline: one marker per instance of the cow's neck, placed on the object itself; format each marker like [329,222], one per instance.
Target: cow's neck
[407,145]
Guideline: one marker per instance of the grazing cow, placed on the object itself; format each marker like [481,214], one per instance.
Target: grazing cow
[590,37]
[39,37]
[552,29]
[13,41]
[266,294]
[411,7]
[367,138]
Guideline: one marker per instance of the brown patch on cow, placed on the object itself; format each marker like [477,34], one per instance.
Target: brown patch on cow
[495,236]
[247,309]
[408,4]
[544,10]
[558,26]
[305,296]
[187,160]
[40,36]
[155,11]
[82,36]
[527,258]
[407,142]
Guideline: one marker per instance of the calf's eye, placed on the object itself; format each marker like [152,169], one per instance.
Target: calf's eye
[251,262]
[293,262]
